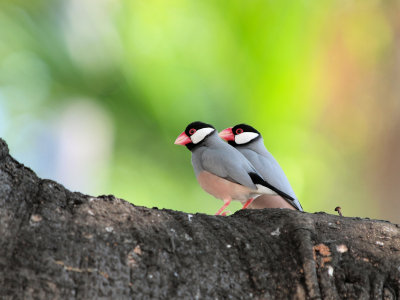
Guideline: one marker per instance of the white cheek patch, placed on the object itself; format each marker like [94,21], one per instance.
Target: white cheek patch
[200,134]
[245,137]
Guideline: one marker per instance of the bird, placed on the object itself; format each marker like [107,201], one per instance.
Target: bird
[221,170]
[248,141]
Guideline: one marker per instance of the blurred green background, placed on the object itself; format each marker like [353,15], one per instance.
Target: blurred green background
[93,94]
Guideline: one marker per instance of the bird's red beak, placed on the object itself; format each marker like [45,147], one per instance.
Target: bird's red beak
[227,134]
[182,139]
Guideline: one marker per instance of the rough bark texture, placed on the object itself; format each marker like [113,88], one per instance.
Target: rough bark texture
[55,244]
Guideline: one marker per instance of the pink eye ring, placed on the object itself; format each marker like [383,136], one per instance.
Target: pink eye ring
[192,131]
[239,131]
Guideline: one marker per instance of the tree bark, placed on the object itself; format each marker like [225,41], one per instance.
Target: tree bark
[56,244]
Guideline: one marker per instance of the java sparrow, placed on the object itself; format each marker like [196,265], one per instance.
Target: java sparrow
[248,141]
[220,169]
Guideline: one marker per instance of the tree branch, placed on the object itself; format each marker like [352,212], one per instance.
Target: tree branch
[58,244]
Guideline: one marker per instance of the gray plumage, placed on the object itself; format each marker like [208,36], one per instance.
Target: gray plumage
[268,167]
[221,159]
[222,170]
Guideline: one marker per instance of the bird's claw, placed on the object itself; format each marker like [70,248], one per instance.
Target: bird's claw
[225,212]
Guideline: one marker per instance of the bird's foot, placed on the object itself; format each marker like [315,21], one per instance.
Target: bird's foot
[225,212]
[248,203]
[226,203]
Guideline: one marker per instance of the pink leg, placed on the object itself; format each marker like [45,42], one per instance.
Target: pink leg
[225,212]
[248,203]
[226,203]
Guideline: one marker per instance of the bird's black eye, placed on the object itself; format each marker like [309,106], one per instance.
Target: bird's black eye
[239,131]
[192,131]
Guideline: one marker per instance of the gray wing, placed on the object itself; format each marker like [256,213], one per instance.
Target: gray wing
[230,164]
[272,172]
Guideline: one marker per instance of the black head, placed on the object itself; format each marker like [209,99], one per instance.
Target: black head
[194,126]
[194,134]
[240,134]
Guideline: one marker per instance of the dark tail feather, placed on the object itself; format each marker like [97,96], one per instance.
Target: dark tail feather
[257,179]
